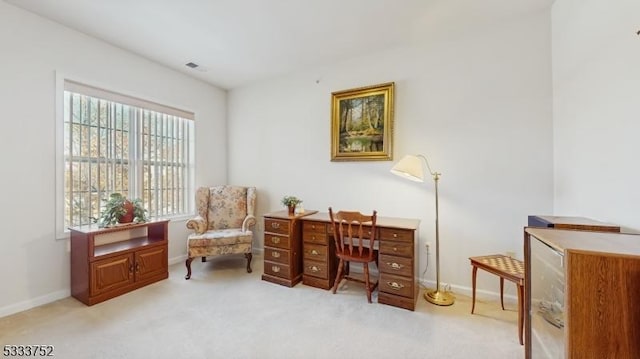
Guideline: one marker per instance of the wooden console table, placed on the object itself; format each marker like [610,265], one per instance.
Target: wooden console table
[397,261]
[108,262]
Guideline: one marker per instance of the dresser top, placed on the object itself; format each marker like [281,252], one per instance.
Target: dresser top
[573,240]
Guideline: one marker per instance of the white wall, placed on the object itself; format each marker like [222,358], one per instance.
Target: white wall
[473,93]
[596,109]
[34,266]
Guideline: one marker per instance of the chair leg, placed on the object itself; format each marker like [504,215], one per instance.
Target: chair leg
[204,259]
[248,256]
[366,280]
[188,264]
[502,292]
[338,276]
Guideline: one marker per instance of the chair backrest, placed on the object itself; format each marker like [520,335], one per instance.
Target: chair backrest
[225,206]
[353,232]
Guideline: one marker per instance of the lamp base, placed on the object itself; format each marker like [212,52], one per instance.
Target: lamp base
[439,298]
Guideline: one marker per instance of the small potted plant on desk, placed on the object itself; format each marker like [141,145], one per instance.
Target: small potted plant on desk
[291,202]
[118,209]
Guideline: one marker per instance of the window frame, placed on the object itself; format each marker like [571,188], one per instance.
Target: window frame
[89,88]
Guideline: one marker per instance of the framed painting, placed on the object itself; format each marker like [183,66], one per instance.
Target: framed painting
[362,124]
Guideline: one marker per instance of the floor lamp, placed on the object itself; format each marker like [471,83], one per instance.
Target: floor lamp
[410,167]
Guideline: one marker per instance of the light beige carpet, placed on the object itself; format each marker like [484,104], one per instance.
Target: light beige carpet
[223,312]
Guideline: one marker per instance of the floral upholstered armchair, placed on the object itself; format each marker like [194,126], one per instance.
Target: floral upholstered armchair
[223,225]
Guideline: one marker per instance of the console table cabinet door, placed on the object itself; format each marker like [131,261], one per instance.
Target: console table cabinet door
[112,273]
[150,262]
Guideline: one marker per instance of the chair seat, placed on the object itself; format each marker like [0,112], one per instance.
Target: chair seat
[220,237]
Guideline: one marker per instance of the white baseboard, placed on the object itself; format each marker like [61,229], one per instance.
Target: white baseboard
[467,291]
[178,259]
[34,302]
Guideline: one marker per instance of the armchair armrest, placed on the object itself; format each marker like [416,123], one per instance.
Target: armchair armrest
[249,221]
[198,224]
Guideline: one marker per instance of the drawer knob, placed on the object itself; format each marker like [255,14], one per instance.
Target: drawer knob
[314,252]
[395,265]
[395,286]
[275,254]
[275,269]
[395,249]
[395,235]
[313,226]
[314,269]
[275,240]
[275,225]
[313,238]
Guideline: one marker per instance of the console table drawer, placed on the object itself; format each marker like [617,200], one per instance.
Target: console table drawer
[396,248]
[276,255]
[315,252]
[396,265]
[396,235]
[315,268]
[273,240]
[276,226]
[397,285]
[277,269]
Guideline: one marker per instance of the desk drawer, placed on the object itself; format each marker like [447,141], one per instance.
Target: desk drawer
[315,227]
[276,255]
[274,240]
[314,237]
[276,226]
[315,268]
[394,234]
[315,252]
[396,265]
[404,249]
[277,269]
[366,231]
[397,285]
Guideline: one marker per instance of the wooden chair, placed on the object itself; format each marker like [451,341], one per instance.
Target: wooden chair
[354,235]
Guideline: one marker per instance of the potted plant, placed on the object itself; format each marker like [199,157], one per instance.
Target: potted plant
[118,209]
[291,202]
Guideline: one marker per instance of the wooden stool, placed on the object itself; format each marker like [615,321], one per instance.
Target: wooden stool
[506,268]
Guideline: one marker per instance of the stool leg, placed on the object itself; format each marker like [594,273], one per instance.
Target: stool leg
[520,312]
[473,286]
[502,292]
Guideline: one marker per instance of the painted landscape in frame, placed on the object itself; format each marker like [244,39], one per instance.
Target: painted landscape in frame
[362,123]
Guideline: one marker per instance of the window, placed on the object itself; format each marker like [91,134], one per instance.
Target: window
[115,143]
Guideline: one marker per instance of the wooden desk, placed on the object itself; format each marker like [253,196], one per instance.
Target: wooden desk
[397,261]
[506,268]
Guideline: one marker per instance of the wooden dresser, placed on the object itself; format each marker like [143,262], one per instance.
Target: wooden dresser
[282,248]
[581,294]
[397,263]
[107,262]
[577,223]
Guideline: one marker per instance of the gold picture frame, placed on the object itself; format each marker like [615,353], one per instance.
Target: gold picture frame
[362,123]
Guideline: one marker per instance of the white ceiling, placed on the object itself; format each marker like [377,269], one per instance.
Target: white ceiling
[237,42]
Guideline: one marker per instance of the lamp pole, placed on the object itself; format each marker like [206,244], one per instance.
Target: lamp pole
[436,296]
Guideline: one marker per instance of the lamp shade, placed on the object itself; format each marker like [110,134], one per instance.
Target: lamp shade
[409,167]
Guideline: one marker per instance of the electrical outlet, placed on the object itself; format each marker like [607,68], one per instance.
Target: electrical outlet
[511,254]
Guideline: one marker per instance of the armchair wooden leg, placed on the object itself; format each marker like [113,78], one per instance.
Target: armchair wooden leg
[188,264]
[248,256]
[204,259]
